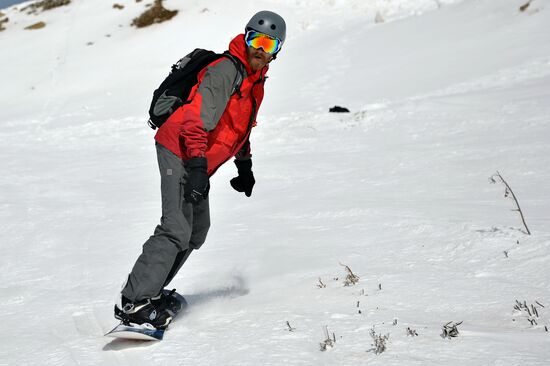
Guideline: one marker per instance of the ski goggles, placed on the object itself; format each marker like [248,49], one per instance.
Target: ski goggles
[258,40]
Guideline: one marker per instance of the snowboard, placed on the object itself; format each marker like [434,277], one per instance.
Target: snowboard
[144,332]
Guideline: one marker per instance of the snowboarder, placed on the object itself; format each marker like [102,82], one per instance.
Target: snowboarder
[191,145]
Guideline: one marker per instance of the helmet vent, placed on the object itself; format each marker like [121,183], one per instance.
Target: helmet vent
[267,22]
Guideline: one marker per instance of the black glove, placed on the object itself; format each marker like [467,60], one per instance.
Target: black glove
[245,181]
[197,185]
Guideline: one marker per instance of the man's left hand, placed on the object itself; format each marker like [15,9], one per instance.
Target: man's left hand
[245,181]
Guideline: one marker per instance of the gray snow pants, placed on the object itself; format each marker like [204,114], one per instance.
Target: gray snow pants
[183,228]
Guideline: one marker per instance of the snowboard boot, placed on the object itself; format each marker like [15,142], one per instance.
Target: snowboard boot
[167,301]
[142,312]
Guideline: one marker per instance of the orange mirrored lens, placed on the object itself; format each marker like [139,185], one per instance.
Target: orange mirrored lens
[260,40]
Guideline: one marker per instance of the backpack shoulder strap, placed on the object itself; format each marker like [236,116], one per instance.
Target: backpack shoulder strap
[195,60]
[240,73]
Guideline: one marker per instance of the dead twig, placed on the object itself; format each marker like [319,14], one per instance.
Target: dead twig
[508,191]
[532,312]
[328,343]
[450,330]
[290,329]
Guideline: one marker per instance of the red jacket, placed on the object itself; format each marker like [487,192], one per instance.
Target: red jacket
[216,124]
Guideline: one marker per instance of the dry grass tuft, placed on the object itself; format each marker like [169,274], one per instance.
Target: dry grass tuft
[155,14]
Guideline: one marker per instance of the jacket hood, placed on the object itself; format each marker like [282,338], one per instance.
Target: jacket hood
[237,47]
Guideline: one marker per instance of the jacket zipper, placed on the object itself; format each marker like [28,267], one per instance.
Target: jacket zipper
[250,122]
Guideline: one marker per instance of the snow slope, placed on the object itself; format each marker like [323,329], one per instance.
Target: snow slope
[440,97]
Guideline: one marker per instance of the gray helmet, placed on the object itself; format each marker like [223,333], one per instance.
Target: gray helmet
[269,23]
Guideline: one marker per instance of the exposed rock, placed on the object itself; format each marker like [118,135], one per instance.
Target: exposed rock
[118,6]
[50,4]
[155,14]
[525,6]
[44,5]
[2,22]
[38,25]
[338,109]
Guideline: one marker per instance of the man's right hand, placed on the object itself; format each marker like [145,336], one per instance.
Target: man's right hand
[197,185]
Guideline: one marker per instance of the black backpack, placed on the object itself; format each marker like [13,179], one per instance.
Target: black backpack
[174,91]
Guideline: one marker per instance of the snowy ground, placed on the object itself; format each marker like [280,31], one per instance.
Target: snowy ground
[398,189]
